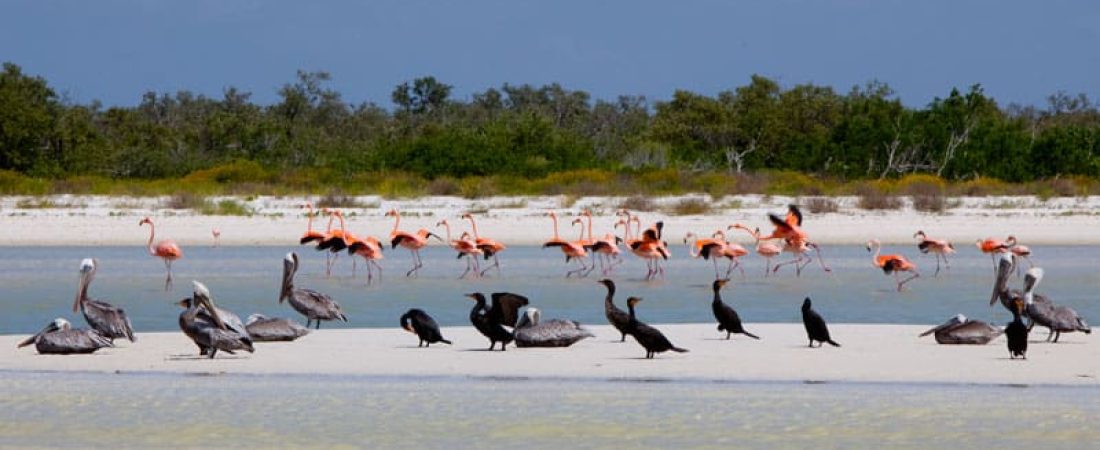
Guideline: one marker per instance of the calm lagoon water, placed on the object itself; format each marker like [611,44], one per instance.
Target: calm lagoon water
[140,411]
[39,283]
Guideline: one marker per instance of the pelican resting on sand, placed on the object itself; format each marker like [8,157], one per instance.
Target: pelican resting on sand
[310,303]
[1038,309]
[58,338]
[109,320]
[530,332]
[418,322]
[490,321]
[270,329]
[201,321]
[960,330]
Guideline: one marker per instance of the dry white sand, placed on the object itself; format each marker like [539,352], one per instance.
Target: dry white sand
[99,220]
[870,353]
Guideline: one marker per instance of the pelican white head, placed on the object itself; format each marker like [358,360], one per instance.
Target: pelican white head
[87,265]
[200,289]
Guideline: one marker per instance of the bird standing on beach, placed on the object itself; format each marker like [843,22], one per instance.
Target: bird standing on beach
[202,321]
[648,337]
[727,317]
[107,319]
[491,320]
[418,322]
[816,329]
[310,303]
[166,250]
[58,338]
[1038,309]
[615,316]
[1017,332]
[939,247]
[892,263]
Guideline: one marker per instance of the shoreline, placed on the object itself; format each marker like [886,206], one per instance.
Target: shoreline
[871,353]
[102,220]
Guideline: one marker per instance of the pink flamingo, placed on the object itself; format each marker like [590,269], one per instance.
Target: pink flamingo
[731,251]
[939,247]
[412,242]
[892,263]
[489,247]
[166,250]
[1019,250]
[465,246]
[370,249]
[763,248]
[217,234]
[571,250]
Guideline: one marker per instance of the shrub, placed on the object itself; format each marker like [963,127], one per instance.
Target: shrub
[872,198]
[690,207]
[227,207]
[820,205]
[638,203]
[337,199]
[443,186]
[185,200]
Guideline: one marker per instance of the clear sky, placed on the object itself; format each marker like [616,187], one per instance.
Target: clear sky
[116,50]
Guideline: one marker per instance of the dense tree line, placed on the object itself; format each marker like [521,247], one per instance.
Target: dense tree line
[532,131]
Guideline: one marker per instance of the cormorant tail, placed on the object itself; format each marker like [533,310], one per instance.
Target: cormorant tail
[445,341]
[746,333]
[834,344]
[680,350]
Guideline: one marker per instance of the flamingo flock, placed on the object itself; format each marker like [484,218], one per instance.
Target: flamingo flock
[588,252]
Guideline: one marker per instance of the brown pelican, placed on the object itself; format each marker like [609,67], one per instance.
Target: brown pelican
[530,332]
[816,329]
[615,316]
[202,322]
[418,322]
[648,337]
[107,319]
[490,321]
[961,330]
[267,329]
[58,338]
[1039,309]
[310,303]
[727,317]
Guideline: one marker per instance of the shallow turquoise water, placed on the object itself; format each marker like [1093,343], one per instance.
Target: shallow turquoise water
[38,284]
[82,410]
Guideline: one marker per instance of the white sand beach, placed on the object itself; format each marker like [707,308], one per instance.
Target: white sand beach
[101,220]
[869,353]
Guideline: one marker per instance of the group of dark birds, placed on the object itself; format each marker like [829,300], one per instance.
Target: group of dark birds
[507,317]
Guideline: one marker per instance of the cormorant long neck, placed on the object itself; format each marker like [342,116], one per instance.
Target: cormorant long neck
[609,301]
[717,295]
[631,308]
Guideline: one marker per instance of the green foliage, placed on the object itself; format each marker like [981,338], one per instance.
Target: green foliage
[759,137]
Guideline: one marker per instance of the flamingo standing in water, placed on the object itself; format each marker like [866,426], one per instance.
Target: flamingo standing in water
[488,246]
[763,248]
[992,247]
[571,250]
[465,247]
[217,234]
[939,247]
[892,263]
[731,251]
[166,250]
[608,246]
[310,235]
[1022,251]
[412,242]
[706,248]
[651,248]
[370,248]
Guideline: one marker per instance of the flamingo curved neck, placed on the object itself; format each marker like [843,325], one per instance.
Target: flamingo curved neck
[590,228]
[396,222]
[152,250]
[878,248]
[554,217]
[472,225]
[447,227]
[309,218]
[342,229]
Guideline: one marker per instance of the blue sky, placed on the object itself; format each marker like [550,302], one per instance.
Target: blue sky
[116,50]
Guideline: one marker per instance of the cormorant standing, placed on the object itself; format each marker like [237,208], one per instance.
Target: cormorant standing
[615,316]
[727,317]
[816,329]
[648,337]
[419,322]
[1016,332]
[490,321]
